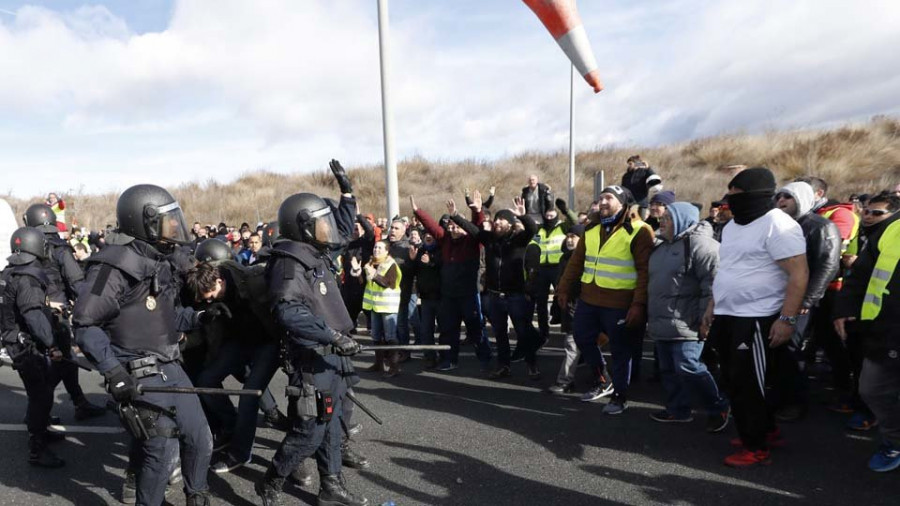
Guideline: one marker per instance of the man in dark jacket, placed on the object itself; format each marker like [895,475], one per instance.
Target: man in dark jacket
[537,197]
[459,252]
[639,178]
[505,283]
[871,295]
[357,254]
[407,316]
[427,266]
[823,256]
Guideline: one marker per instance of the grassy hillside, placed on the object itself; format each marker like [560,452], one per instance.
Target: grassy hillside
[853,158]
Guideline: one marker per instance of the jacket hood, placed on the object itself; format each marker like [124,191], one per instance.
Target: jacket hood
[684,215]
[802,194]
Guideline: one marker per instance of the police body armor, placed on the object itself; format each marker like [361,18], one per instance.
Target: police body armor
[13,329]
[53,267]
[145,322]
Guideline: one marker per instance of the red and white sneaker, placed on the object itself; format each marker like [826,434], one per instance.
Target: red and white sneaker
[747,458]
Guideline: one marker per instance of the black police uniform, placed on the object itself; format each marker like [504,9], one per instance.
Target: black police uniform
[128,316]
[28,336]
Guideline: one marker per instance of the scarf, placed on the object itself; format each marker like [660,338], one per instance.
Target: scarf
[749,206]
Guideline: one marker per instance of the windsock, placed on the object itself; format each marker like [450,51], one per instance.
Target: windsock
[562,20]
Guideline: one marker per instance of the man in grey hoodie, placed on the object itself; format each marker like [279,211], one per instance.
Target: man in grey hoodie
[823,255]
[682,268]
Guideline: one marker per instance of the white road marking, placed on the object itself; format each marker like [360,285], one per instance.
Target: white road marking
[68,429]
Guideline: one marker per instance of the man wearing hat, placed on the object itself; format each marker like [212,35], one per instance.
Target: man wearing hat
[610,267]
[757,296]
[658,205]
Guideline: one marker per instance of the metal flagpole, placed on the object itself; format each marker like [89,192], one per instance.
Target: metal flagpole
[387,115]
[572,138]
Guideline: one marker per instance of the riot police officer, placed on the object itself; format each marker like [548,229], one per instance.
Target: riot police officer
[28,337]
[307,304]
[63,273]
[128,321]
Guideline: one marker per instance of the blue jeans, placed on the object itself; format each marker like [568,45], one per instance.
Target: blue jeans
[231,360]
[408,318]
[684,375]
[453,312]
[519,309]
[384,327]
[428,313]
[589,321]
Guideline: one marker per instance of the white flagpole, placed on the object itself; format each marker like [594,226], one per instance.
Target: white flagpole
[387,114]
[572,139]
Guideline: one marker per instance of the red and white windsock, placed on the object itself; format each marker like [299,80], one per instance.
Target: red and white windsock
[562,20]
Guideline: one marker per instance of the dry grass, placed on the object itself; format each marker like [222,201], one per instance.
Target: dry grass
[853,158]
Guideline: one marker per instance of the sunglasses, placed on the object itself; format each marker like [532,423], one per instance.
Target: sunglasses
[876,212]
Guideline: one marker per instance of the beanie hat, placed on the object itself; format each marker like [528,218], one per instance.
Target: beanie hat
[756,179]
[505,214]
[665,198]
[622,194]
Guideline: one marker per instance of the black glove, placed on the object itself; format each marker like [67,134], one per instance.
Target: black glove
[563,207]
[346,346]
[215,310]
[121,385]
[340,175]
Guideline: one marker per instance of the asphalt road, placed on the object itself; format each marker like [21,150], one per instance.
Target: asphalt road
[460,439]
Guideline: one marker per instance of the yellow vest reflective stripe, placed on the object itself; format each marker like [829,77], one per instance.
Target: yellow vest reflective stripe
[551,246]
[60,213]
[854,232]
[885,266]
[612,265]
[380,299]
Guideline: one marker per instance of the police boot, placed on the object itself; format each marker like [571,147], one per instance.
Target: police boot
[39,455]
[84,410]
[302,476]
[198,499]
[393,363]
[378,366]
[351,458]
[334,493]
[269,488]
[129,488]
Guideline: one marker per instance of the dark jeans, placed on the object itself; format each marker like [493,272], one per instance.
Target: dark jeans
[67,371]
[408,319]
[519,309]
[589,321]
[428,313]
[793,386]
[684,376]
[880,388]
[352,293]
[547,274]
[40,380]
[233,357]
[453,312]
[826,337]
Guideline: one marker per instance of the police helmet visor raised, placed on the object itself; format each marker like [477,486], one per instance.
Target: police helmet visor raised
[171,224]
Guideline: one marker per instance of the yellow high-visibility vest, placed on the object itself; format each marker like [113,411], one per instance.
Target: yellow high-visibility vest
[380,299]
[888,256]
[612,265]
[551,245]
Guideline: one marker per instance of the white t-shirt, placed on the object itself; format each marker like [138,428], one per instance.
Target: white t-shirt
[749,282]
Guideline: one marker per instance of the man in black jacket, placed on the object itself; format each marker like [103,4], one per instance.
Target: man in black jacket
[505,283]
[356,255]
[537,197]
[823,255]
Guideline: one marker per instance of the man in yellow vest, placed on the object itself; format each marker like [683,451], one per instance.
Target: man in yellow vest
[610,265]
[550,238]
[871,295]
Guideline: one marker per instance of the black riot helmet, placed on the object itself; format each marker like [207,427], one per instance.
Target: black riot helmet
[152,214]
[28,243]
[308,218]
[213,250]
[270,233]
[41,217]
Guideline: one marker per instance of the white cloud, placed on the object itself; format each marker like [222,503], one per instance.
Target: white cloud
[232,85]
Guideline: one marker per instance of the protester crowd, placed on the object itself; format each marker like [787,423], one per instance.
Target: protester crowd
[776,282]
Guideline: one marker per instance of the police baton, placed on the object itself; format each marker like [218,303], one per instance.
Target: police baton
[407,347]
[350,395]
[142,389]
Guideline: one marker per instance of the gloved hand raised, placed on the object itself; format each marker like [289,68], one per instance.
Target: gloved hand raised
[562,206]
[340,175]
[215,310]
[121,385]
[346,346]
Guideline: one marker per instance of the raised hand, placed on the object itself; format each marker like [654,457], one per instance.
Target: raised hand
[519,206]
[476,201]
[413,252]
[412,203]
[451,207]
[340,175]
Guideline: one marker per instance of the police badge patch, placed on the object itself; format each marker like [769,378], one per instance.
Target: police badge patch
[151,303]
[322,288]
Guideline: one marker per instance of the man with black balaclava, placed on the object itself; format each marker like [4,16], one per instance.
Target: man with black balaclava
[63,274]
[757,296]
[29,340]
[128,321]
[550,238]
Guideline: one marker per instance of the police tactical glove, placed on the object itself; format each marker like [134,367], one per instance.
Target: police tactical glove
[340,175]
[121,385]
[562,206]
[215,310]
[345,346]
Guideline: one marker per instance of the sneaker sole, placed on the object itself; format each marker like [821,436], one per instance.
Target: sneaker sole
[888,468]
[742,465]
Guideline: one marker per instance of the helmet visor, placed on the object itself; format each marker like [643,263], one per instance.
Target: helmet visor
[171,225]
[324,229]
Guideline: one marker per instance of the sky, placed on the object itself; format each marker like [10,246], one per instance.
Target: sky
[97,96]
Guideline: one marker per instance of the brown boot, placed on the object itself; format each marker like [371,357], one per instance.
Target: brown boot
[393,363]
[378,366]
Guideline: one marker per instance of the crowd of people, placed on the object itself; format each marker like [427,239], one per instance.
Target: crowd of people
[739,306]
